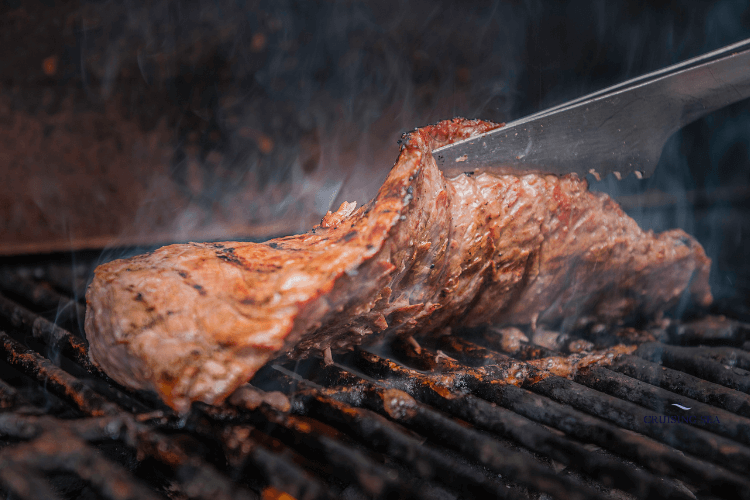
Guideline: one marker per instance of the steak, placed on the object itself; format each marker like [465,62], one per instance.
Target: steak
[195,321]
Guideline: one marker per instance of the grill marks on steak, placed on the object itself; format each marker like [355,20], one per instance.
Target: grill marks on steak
[195,321]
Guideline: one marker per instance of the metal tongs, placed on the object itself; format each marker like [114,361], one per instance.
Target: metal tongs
[618,130]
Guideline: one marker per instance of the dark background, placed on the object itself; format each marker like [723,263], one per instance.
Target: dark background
[260,112]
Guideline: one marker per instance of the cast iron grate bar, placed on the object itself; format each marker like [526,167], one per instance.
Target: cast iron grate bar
[727,356]
[54,378]
[683,384]
[74,348]
[710,419]
[42,296]
[8,395]
[66,439]
[269,461]
[386,437]
[688,359]
[89,402]
[26,482]
[490,452]
[347,462]
[58,450]
[683,436]
[198,478]
[69,278]
[424,459]
[380,434]
[610,471]
[54,336]
[389,418]
[709,330]
[493,386]
[652,373]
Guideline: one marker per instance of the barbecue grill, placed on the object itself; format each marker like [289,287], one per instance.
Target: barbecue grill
[484,413]
[144,123]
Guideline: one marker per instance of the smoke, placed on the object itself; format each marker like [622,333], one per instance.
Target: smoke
[253,118]
[269,94]
[700,183]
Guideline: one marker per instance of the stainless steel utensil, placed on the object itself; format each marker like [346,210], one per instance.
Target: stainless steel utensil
[618,130]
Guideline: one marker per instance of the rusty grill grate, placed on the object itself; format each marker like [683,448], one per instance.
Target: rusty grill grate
[484,414]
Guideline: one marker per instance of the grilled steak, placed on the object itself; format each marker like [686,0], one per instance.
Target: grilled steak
[195,321]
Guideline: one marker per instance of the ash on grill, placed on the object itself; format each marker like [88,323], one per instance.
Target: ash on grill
[655,412]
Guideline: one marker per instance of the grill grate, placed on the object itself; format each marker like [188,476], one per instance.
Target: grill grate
[484,414]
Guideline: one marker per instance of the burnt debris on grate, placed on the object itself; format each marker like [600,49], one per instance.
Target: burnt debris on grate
[661,412]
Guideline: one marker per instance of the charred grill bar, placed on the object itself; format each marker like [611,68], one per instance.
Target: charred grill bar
[462,416]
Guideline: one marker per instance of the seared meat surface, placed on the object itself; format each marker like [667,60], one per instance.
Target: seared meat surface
[195,321]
